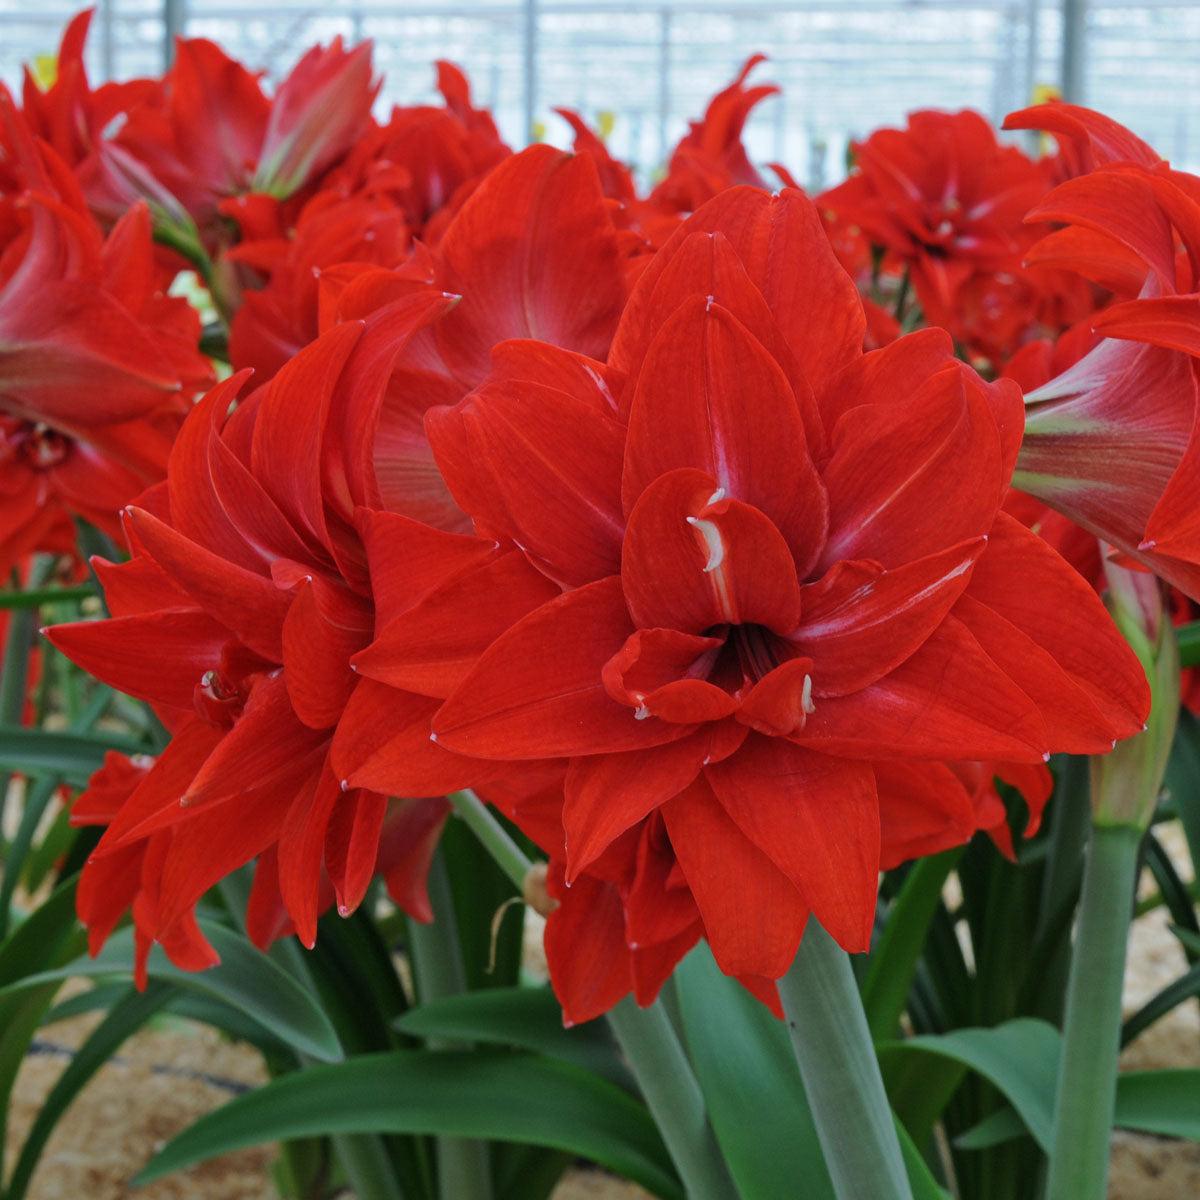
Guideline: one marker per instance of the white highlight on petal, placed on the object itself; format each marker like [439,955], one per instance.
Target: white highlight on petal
[712,539]
[345,785]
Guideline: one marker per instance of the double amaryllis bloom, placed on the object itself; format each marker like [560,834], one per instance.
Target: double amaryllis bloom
[943,200]
[786,599]
[97,365]
[249,590]
[236,617]
[1113,442]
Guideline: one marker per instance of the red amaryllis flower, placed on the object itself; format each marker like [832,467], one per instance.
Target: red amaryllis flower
[1113,442]
[97,366]
[711,157]
[425,161]
[946,199]
[784,583]
[237,615]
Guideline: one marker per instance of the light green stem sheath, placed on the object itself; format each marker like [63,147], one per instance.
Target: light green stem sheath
[508,856]
[463,1166]
[669,1086]
[841,1073]
[1087,1081]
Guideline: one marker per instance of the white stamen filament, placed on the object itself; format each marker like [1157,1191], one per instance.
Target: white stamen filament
[806,700]
[712,539]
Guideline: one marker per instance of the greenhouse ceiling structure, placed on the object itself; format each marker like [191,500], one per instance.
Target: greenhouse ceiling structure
[645,66]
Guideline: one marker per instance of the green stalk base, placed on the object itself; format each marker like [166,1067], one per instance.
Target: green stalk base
[1087,1083]
[841,1073]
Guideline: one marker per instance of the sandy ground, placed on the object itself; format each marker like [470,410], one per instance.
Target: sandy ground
[164,1078]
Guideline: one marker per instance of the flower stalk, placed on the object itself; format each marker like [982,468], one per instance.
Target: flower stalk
[463,1165]
[841,1073]
[1091,1034]
[669,1086]
[1125,786]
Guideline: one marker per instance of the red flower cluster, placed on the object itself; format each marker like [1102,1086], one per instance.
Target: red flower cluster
[97,365]
[593,501]
[945,202]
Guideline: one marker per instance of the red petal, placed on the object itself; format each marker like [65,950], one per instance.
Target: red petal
[286,452]
[1060,612]
[893,465]
[947,701]
[352,845]
[410,836]
[534,254]
[586,950]
[779,703]
[537,692]
[302,850]
[554,469]
[383,743]
[408,559]
[316,660]
[694,559]
[430,648]
[267,745]
[753,916]
[923,809]
[860,621]
[817,819]
[711,398]
[606,794]
[161,657]
[247,604]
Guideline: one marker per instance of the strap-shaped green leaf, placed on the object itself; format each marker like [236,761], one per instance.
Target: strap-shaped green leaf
[527,1017]
[73,756]
[245,978]
[495,1095]
[1019,1057]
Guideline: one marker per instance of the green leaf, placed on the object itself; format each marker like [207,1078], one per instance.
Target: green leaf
[751,1084]
[127,1016]
[1174,890]
[1162,1102]
[246,979]
[1161,1003]
[1020,1057]
[74,756]
[474,1094]
[36,597]
[47,937]
[1189,644]
[1189,939]
[920,1177]
[1183,779]
[1001,1126]
[38,795]
[528,1018]
[893,962]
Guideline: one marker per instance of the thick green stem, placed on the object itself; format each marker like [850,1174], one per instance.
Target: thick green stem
[463,1166]
[1087,1081]
[669,1086]
[508,856]
[841,1073]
